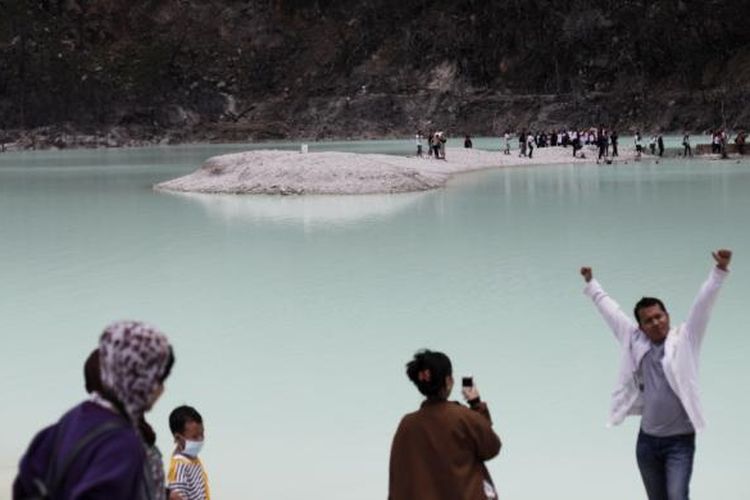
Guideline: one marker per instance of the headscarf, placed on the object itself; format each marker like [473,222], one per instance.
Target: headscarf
[134,357]
[154,463]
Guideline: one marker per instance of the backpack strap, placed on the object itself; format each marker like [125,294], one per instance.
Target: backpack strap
[55,474]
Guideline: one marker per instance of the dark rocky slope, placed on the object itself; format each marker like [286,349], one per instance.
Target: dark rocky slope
[118,72]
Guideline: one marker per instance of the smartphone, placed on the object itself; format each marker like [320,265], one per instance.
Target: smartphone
[467,381]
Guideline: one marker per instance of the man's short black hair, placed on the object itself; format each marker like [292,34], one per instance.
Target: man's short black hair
[647,302]
[180,416]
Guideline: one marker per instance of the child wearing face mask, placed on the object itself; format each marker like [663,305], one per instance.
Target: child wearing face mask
[187,479]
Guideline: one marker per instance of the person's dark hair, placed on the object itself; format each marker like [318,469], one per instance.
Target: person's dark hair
[91,373]
[180,416]
[147,432]
[647,302]
[168,368]
[428,371]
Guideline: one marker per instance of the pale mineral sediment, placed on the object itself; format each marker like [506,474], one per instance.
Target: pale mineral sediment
[292,172]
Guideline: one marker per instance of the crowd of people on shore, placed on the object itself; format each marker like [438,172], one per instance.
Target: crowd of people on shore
[435,144]
[104,448]
[605,140]
[720,141]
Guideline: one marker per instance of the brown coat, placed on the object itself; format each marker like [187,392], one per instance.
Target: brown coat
[438,453]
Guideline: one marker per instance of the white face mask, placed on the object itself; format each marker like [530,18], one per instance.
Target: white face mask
[192,448]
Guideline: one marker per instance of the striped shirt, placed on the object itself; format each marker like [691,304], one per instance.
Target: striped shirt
[188,478]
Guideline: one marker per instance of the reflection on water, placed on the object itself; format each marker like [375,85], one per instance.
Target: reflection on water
[310,211]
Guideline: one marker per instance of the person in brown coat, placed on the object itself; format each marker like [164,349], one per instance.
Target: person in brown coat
[438,452]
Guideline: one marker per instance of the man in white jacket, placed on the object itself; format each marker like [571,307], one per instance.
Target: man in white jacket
[658,379]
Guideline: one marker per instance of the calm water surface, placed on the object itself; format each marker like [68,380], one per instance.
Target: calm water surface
[292,318]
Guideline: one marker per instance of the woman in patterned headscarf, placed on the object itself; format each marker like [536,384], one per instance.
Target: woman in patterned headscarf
[155,463]
[135,359]
[96,450]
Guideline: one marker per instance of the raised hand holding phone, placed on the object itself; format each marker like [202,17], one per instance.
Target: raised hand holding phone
[468,389]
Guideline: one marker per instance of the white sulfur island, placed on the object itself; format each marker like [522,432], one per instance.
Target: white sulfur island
[291,172]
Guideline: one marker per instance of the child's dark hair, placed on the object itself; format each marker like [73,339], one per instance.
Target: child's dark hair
[180,416]
[644,303]
[428,371]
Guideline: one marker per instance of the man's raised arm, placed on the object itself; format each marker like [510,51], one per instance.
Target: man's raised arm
[697,319]
[620,323]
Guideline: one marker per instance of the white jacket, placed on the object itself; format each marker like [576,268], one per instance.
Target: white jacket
[681,350]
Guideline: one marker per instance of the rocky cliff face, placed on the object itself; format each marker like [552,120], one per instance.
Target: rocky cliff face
[273,69]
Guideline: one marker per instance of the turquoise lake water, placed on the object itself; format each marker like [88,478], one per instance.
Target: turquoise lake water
[292,318]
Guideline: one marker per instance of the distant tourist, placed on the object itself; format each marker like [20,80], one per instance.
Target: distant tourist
[565,139]
[658,379]
[418,140]
[438,451]
[601,141]
[613,137]
[723,137]
[652,144]
[467,142]
[716,142]
[506,137]
[576,142]
[187,479]
[740,142]
[436,145]
[96,451]
[687,150]
[530,145]
[441,139]
[638,145]
[522,143]
[606,142]
[660,144]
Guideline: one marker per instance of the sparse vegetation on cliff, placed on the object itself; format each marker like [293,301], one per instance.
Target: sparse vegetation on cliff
[259,69]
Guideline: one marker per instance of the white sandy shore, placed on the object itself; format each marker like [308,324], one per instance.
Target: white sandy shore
[291,172]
